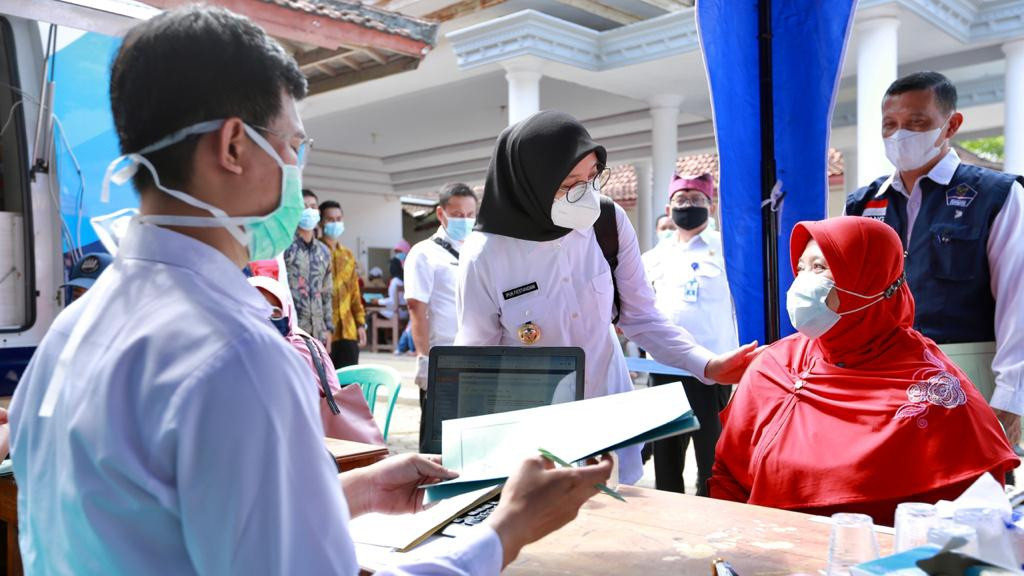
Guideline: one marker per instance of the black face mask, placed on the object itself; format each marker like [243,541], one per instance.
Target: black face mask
[281,324]
[690,218]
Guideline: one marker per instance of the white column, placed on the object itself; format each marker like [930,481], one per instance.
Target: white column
[644,206]
[1013,107]
[523,76]
[664,151]
[876,70]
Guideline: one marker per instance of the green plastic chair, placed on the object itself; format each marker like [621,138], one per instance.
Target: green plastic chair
[370,378]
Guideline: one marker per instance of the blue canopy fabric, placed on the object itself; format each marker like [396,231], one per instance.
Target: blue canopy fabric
[808,42]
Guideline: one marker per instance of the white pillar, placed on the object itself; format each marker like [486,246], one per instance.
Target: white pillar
[876,70]
[523,76]
[1013,107]
[645,207]
[664,152]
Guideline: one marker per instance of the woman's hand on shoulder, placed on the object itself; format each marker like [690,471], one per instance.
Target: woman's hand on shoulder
[728,368]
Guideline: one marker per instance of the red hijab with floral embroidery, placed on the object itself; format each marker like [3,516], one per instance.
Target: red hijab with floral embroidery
[870,414]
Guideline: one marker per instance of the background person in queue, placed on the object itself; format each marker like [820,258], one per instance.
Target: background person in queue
[533,273]
[188,442]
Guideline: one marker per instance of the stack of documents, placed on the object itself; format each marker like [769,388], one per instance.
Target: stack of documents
[485,450]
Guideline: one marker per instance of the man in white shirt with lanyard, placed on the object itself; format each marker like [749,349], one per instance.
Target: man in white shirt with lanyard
[687,272]
[163,425]
[430,277]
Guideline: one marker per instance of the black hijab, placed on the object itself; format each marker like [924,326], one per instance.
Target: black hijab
[530,160]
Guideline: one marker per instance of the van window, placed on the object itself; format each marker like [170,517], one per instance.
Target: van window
[17,278]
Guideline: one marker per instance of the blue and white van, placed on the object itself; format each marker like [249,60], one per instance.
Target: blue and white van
[56,139]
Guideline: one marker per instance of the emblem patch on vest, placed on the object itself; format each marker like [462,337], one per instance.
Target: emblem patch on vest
[876,208]
[961,196]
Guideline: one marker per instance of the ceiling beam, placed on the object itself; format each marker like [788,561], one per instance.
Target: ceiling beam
[376,55]
[669,5]
[309,28]
[364,75]
[351,62]
[460,8]
[604,11]
[319,56]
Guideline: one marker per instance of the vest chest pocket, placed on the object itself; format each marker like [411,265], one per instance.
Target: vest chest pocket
[955,251]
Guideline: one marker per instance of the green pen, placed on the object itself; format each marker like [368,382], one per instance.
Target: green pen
[599,486]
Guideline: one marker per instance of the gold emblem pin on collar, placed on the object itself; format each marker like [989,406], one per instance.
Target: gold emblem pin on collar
[529,333]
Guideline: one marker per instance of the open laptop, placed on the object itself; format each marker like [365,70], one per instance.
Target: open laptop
[468,381]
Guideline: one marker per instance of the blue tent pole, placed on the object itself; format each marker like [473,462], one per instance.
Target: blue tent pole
[769,217]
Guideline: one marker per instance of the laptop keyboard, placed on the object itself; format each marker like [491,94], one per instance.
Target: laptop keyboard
[470,518]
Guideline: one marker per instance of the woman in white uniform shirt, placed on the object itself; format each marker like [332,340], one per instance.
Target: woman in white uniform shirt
[533,274]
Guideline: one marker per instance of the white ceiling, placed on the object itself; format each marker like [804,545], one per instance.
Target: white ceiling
[440,114]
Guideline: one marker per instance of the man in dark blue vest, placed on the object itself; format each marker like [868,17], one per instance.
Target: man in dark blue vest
[960,225]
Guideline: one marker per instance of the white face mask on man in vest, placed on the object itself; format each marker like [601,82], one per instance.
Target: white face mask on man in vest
[909,150]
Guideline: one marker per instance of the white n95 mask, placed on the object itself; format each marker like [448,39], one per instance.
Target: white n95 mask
[264,236]
[578,215]
[808,312]
[908,150]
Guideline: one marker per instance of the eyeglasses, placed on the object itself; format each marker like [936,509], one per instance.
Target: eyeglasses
[576,191]
[301,149]
[696,201]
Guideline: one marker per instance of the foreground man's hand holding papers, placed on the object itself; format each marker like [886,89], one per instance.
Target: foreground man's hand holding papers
[536,500]
[484,450]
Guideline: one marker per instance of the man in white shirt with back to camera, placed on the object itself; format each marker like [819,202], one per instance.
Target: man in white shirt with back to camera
[430,277]
[163,425]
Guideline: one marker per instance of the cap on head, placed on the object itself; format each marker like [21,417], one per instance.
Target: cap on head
[701,182]
[88,269]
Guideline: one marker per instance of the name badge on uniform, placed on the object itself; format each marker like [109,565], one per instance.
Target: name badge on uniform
[961,196]
[524,289]
[876,208]
[691,286]
[690,290]
[529,333]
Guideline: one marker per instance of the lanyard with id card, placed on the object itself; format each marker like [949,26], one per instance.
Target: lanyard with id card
[691,286]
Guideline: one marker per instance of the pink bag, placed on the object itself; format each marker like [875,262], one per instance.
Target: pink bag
[353,420]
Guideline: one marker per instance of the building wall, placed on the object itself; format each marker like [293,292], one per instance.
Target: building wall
[371,221]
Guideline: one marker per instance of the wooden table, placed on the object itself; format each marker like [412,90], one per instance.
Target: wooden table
[9,516]
[351,455]
[661,533]
[348,455]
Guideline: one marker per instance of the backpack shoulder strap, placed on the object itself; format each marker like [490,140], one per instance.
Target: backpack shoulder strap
[606,229]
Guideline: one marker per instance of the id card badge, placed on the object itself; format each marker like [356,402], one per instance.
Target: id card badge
[690,290]
[691,286]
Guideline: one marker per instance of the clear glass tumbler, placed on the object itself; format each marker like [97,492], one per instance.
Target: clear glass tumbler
[913,519]
[852,542]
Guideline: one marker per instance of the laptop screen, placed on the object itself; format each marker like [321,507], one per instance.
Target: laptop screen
[471,381]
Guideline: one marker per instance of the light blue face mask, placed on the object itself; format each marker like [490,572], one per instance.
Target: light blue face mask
[264,236]
[334,229]
[309,219]
[459,228]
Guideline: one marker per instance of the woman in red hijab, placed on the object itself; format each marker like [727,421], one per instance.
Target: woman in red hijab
[857,412]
